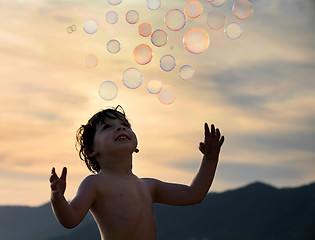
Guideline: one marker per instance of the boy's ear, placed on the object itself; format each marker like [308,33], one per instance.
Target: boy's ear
[92,154]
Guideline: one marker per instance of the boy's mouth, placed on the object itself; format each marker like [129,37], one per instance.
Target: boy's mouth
[122,137]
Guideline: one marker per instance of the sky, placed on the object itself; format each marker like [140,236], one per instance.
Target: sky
[258,89]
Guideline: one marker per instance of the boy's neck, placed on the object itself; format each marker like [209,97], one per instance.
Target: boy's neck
[118,165]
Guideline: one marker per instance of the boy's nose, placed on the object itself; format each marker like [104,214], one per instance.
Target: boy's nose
[120,127]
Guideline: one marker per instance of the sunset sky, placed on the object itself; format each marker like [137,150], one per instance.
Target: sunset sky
[259,90]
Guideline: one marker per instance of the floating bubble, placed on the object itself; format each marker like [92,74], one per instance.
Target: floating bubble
[218,3]
[153,4]
[111,17]
[167,63]
[159,38]
[215,20]
[113,46]
[196,40]
[69,30]
[90,26]
[233,30]
[132,17]
[193,9]
[108,90]
[142,54]
[114,2]
[91,61]
[242,9]
[175,19]
[73,27]
[186,72]
[132,78]
[145,29]
[167,95]
[154,86]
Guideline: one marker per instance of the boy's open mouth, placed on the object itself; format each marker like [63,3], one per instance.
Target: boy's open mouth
[122,137]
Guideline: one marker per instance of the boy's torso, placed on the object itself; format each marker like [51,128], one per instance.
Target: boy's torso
[123,208]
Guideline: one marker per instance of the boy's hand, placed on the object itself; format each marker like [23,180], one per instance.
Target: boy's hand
[58,185]
[212,143]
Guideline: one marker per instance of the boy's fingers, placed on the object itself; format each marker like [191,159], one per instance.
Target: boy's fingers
[212,130]
[207,131]
[64,173]
[221,140]
[218,134]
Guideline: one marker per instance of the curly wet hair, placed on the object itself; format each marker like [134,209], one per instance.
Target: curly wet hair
[85,135]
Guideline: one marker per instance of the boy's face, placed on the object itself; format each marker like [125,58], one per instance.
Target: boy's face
[114,135]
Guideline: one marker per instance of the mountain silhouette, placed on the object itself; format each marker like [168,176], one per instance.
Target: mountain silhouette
[256,211]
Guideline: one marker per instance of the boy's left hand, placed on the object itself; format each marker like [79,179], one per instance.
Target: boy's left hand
[212,143]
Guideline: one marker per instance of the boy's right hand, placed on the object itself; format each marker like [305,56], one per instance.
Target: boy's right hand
[58,185]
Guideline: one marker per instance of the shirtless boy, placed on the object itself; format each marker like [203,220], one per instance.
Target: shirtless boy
[120,202]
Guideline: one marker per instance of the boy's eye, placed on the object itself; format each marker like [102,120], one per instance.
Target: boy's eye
[126,125]
[105,126]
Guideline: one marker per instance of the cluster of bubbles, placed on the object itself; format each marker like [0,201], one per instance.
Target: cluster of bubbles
[195,40]
[71,28]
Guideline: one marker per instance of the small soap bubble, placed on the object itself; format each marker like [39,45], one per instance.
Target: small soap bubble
[114,2]
[91,61]
[193,9]
[215,20]
[218,3]
[132,17]
[233,30]
[145,29]
[108,90]
[90,26]
[142,54]
[196,40]
[154,86]
[132,78]
[73,27]
[159,38]
[242,9]
[69,30]
[175,19]
[111,17]
[153,4]
[167,95]
[186,72]
[113,46]
[167,63]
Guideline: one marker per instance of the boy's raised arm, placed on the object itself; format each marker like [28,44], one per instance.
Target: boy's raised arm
[177,194]
[70,215]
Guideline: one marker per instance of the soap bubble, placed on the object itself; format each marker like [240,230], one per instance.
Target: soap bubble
[142,54]
[154,86]
[91,61]
[132,78]
[217,3]
[132,17]
[108,90]
[186,72]
[215,20]
[111,17]
[114,2]
[159,38]
[167,63]
[153,4]
[73,27]
[69,30]
[193,9]
[242,9]
[167,95]
[113,46]
[175,19]
[145,29]
[196,40]
[209,0]
[90,26]
[233,30]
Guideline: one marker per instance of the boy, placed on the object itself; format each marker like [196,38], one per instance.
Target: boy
[120,202]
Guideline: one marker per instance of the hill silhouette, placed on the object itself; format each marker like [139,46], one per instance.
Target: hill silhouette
[256,211]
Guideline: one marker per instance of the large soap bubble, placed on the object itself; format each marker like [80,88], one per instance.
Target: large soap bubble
[196,40]
[114,2]
[175,19]
[159,38]
[186,72]
[142,54]
[90,26]
[91,61]
[167,63]
[153,4]
[215,20]
[132,16]
[217,3]
[113,46]
[193,9]
[242,9]
[145,29]
[111,17]
[132,78]
[167,95]
[154,86]
[233,30]
[108,90]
